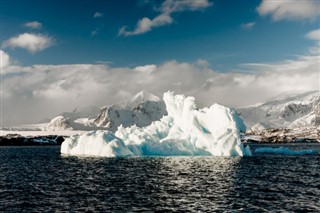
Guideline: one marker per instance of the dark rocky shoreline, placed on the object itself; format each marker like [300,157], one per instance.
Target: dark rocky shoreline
[18,140]
[266,136]
[274,140]
[283,135]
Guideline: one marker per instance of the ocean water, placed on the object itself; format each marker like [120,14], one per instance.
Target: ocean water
[39,179]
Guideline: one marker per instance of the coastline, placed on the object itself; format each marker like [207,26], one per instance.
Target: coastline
[263,137]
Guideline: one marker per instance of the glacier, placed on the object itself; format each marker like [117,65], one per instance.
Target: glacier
[184,131]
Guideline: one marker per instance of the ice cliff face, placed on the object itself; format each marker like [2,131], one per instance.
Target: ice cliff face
[284,111]
[184,131]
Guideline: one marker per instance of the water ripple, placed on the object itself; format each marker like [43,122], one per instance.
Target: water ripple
[39,179]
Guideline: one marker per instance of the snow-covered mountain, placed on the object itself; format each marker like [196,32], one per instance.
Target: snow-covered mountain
[58,123]
[142,110]
[82,112]
[284,111]
[289,110]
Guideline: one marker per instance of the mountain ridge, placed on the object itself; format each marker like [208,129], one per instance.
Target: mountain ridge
[288,111]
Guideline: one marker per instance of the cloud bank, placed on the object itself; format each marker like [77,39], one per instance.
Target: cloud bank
[166,10]
[4,59]
[33,93]
[290,9]
[146,68]
[31,42]
[314,35]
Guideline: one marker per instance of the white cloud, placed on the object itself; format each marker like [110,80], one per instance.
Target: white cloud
[314,35]
[4,59]
[97,15]
[145,24]
[170,6]
[315,50]
[290,9]
[31,42]
[33,25]
[33,93]
[248,26]
[146,68]
[167,8]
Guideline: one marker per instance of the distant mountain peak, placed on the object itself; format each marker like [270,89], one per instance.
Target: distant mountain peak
[145,96]
[284,111]
[143,109]
[59,123]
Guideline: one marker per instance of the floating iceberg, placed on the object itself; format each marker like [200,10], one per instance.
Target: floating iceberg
[286,151]
[186,130]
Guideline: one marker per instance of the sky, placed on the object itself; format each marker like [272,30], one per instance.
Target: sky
[58,55]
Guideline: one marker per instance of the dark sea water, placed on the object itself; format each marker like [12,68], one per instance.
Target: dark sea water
[39,179]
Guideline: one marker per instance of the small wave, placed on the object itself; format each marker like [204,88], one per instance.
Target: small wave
[286,151]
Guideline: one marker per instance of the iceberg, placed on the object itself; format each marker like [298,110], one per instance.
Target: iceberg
[184,131]
[286,151]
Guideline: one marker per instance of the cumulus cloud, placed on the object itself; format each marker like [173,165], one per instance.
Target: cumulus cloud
[97,15]
[290,9]
[36,92]
[31,42]
[167,8]
[314,35]
[4,59]
[248,26]
[33,25]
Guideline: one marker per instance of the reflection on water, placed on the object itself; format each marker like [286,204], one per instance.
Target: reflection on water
[39,179]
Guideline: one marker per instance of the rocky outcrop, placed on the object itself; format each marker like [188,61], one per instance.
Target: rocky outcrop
[296,110]
[284,135]
[18,140]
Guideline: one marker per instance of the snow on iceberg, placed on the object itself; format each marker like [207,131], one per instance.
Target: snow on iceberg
[186,130]
[95,143]
[286,151]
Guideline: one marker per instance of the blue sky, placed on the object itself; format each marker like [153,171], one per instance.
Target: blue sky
[213,33]
[59,55]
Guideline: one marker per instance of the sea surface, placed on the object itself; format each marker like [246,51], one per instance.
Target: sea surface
[39,179]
